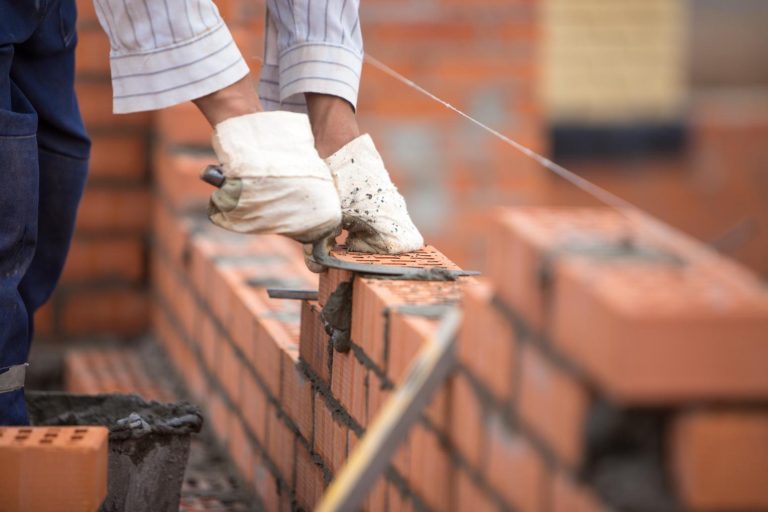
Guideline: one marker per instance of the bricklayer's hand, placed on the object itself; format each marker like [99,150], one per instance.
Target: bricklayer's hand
[373,211]
[275,180]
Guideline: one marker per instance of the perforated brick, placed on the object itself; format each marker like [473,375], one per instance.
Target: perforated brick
[52,468]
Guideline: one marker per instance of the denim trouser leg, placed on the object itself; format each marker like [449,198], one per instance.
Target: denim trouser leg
[46,159]
[18,235]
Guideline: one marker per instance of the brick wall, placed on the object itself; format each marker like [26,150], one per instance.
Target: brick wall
[602,370]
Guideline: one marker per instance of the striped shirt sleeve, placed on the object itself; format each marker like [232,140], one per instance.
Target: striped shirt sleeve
[165,52]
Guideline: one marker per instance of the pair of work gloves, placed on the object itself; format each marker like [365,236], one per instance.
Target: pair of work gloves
[277,183]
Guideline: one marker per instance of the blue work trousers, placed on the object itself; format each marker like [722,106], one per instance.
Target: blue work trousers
[43,165]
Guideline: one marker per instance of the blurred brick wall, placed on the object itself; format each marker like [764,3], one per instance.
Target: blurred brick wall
[481,56]
[103,289]
[715,189]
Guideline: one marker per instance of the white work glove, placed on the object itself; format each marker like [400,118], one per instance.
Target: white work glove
[373,211]
[275,180]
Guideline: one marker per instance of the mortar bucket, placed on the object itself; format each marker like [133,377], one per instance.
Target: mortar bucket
[148,443]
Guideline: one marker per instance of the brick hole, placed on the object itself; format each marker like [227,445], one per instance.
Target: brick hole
[25,431]
[50,435]
[81,430]
[46,441]
[76,437]
[21,437]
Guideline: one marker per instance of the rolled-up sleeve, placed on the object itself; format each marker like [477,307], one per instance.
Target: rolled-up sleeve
[165,52]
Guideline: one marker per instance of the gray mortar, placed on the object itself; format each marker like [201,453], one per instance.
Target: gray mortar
[148,443]
[337,316]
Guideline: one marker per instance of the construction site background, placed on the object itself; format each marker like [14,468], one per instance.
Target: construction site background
[663,102]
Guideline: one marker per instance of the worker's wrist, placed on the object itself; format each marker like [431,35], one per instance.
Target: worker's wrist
[333,122]
[235,100]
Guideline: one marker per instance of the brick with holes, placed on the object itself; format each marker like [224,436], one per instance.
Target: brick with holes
[32,478]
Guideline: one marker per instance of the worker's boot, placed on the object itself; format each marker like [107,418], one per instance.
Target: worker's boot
[275,180]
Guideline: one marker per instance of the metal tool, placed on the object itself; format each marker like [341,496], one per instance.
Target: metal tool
[321,251]
[285,293]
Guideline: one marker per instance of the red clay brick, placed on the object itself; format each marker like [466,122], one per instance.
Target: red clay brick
[343,439]
[430,468]
[281,444]
[313,341]
[296,396]
[553,404]
[118,156]
[220,417]
[377,498]
[112,311]
[268,353]
[107,259]
[240,450]
[111,370]
[254,407]
[177,174]
[487,343]
[107,210]
[663,335]
[377,396]
[348,385]
[570,496]
[309,479]
[170,234]
[92,55]
[646,330]
[407,335]
[719,459]
[95,99]
[469,496]
[324,430]
[330,437]
[266,487]
[467,421]
[229,370]
[31,476]
[183,125]
[515,469]
[369,306]
[44,320]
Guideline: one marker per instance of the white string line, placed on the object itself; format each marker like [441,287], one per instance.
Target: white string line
[652,226]
[587,186]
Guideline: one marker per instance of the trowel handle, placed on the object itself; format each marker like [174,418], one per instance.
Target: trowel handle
[213,175]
